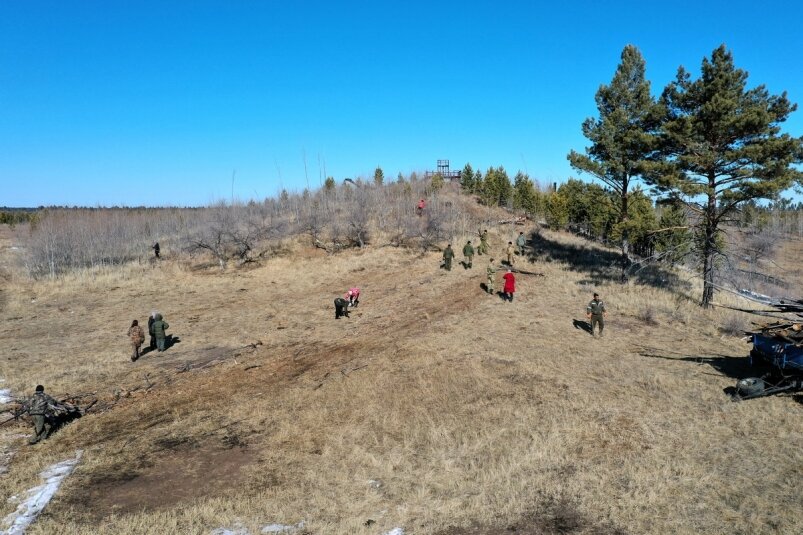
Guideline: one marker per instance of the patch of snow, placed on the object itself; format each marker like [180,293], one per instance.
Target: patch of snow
[38,497]
[237,530]
[755,296]
[282,528]
[5,394]
[395,531]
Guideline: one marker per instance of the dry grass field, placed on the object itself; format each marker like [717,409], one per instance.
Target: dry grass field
[435,407]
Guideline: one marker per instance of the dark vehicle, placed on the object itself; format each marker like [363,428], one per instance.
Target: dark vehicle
[777,355]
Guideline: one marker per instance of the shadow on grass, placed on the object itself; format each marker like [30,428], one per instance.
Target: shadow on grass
[579,324]
[734,367]
[600,265]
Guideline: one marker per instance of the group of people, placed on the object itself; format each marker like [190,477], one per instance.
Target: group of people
[156,329]
[509,287]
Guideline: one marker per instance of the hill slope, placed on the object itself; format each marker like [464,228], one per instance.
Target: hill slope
[434,407]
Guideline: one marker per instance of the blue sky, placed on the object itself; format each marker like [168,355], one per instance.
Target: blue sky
[156,103]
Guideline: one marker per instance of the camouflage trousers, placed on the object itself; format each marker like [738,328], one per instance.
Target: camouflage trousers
[41,428]
[491,284]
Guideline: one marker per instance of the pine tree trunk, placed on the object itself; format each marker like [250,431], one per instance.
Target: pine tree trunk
[709,248]
[625,240]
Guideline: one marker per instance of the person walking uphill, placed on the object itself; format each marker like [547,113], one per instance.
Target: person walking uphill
[596,313]
[448,255]
[521,241]
[483,248]
[137,337]
[159,328]
[510,285]
[490,285]
[468,252]
[151,319]
[40,407]
[510,252]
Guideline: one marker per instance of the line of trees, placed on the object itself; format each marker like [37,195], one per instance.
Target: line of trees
[709,145]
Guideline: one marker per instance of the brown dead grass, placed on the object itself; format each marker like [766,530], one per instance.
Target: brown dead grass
[435,406]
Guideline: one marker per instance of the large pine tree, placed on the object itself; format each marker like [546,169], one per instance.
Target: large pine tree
[724,147]
[623,138]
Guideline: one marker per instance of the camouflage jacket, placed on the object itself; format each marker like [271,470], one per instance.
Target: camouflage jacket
[40,404]
[468,250]
[596,307]
[521,240]
[448,253]
[136,335]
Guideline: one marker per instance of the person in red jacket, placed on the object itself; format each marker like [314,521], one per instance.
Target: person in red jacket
[510,285]
[420,208]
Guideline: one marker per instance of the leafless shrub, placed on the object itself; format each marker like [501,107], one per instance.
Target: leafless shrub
[647,314]
[359,217]
[733,325]
[234,232]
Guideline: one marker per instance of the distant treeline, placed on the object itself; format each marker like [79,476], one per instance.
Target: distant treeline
[16,216]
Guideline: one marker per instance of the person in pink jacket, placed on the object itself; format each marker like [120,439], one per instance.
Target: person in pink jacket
[353,297]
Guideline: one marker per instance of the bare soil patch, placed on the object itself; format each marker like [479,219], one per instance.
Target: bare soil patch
[185,472]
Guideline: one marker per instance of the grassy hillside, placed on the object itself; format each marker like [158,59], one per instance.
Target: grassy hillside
[435,407]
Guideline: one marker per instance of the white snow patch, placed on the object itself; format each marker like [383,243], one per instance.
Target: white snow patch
[227,531]
[5,394]
[395,531]
[38,497]
[755,296]
[282,528]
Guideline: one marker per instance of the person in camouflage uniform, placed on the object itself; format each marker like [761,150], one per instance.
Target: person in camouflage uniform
[483,248]
[510,252]
[159,328]
[468,252]
[491,272]
[40,407]
[521,241]
[596,313]
[448,255]
[137,338]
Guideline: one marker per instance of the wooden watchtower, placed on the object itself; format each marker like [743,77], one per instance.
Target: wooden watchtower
[444,171]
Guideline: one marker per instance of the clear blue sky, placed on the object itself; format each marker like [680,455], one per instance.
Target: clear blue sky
[112,102]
